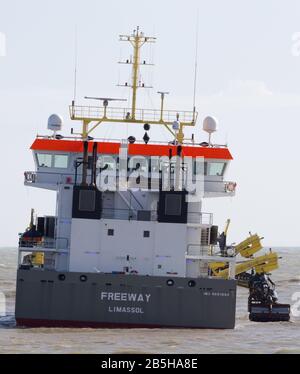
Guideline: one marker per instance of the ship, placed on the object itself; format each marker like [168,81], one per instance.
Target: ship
[130,245]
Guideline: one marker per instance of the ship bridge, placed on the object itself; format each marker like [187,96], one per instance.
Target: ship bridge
[55,161]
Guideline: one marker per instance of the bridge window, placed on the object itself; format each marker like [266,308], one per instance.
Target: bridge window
[107,162]
[216,168]
[44,160]
[61,161]
[200,167]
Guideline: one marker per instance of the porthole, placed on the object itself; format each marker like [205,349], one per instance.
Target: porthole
[191,283]
[61,277]
[170,282]
[83,278]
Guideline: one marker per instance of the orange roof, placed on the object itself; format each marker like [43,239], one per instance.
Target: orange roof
[76,146]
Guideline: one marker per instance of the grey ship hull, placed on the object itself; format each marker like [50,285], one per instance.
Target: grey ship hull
[116,300]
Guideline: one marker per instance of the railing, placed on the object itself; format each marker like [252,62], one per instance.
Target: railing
[129,214]
[200,218]
[151,215]
[213,186]
[38,246]
[124,114]
[44,243]
[118,140]
[231,261]
[25,261]
[197,249]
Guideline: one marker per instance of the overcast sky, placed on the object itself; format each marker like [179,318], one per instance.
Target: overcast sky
[248,77]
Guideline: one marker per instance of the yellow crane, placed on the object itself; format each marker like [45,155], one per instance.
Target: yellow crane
[247,248]
[262,264]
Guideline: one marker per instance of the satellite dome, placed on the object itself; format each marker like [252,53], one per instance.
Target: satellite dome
[55,122]
[210,124]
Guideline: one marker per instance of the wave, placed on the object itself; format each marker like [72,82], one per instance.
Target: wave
[294,280]
[289,280]
[288,351]
[7,321]
[10,294]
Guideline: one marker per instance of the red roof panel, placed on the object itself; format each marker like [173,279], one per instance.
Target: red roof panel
[76,146]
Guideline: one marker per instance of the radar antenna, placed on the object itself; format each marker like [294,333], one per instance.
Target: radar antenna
[105,101]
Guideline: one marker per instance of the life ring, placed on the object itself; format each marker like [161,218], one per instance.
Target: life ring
[231,187]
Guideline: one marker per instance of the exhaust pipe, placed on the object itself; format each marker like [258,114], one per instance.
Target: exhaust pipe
[94,165]
[85,163]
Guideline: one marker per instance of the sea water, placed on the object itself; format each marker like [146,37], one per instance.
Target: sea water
[247,337]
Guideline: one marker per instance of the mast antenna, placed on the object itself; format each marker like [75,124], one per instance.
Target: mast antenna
[137,39]
[75,64]
[196,63]
[174,121]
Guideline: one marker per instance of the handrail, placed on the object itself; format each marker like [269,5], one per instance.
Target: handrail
[218,186]
[124,114]
[127,214]
[132,214]
[203,248]
[46,243]
[118,140]
[201,218]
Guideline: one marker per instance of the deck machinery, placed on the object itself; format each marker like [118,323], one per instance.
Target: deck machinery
[253,273]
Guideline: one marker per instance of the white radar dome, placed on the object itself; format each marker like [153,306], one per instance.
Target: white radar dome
[55,122]
[210,124]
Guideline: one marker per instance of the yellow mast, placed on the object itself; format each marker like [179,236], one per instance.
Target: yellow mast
[135,71]
[137,40]
[95,115]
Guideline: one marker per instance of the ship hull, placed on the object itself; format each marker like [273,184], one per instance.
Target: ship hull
[97,300]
